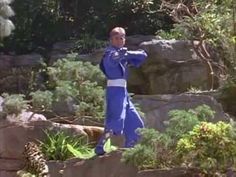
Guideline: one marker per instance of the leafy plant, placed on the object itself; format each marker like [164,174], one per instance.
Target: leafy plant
[211,147]
[89,153]
[55,146]
[14,104]
[61,146]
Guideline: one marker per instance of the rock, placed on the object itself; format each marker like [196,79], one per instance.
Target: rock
[55,168]
[8,173]
[156,107]
[172,67]
[11,61]
[6,62]
[174,172]
[25,116]
[133,42]
[54,56]
[64,107]
[64,46]
[105,166]
[11,164]
[110,165]
[29,60]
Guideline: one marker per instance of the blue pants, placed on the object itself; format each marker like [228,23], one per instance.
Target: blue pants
[121,117]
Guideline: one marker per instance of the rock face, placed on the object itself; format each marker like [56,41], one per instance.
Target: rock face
[156,107]
[13,137]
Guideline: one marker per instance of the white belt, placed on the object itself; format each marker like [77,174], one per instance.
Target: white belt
[116,83]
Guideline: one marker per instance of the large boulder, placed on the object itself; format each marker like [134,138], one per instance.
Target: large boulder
[172,66]
[156,107]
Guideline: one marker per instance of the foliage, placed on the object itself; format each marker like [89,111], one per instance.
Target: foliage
[6,25]
[39,23]
[182,121]
[14,104]
[211,147]
[80,81]
[143,155]
[140,16]
[42,100]
[207,146]
[70,69]
[153,151]
[55,146]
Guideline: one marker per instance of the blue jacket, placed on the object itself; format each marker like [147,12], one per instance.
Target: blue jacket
[116,60]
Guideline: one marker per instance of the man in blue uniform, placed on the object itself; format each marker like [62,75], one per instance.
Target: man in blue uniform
[121,115]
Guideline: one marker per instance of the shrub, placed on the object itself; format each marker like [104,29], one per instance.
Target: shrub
[211,147]
[182,121]
[61,146]
[14,104]
[153,151]
[143,155]
[42,100]
[79,81]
